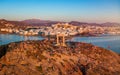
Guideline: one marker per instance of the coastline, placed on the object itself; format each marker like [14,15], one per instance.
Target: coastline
[45,58]
[81,35]
[113,45]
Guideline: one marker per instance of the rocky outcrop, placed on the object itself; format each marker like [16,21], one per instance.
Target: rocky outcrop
[43,58]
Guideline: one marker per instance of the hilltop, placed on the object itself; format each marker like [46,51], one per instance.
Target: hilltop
[43,58]
[40,22]
[12,24]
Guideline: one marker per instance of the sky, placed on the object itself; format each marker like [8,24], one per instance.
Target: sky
[98,11]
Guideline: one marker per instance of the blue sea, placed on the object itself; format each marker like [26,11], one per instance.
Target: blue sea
[8,38]
[111,42]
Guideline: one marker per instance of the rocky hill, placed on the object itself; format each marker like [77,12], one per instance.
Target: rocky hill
[12,24]
[43,58]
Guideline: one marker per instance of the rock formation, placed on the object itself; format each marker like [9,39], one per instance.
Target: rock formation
[43,58]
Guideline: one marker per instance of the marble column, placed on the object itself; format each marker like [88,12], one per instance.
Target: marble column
[58,40]
[63,44]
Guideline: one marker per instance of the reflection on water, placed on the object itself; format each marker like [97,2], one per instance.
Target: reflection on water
[7,38]
[108,42]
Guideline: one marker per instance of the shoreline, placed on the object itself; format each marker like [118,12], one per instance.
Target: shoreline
[78,35]
[55,41]
[38,37]
[81,35]
[47,57]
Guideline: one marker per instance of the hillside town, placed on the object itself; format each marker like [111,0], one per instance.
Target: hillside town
[65,28]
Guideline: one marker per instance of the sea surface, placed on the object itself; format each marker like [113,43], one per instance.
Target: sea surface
[8,38]
[111,42]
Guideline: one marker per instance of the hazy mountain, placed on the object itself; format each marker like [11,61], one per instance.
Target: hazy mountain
[94,24]
[35,21]
[38,22]
[110,24]
[3,21]
[12,24]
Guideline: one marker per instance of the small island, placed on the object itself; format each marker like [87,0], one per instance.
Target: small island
[44,58]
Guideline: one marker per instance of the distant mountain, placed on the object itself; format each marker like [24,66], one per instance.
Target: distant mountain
[36,21]
[93,24]
[110,24]
[12,24]
[3,21]
[83,23]
[39,22]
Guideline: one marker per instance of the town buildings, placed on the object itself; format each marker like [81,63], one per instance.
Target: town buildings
[65,28]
